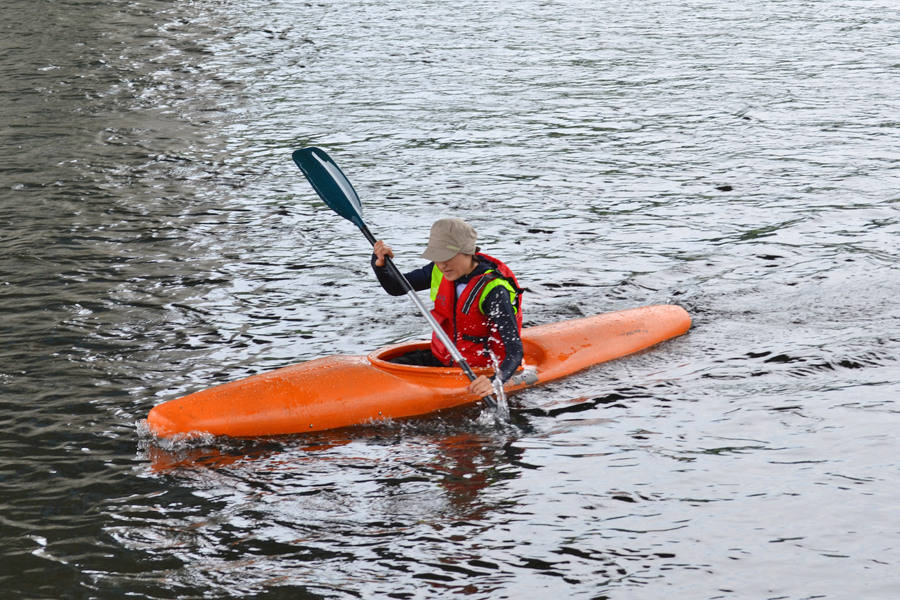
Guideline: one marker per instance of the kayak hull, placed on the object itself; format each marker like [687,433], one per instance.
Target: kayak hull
[338,391]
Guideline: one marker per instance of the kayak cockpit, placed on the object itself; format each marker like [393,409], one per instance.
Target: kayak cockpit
[380,359]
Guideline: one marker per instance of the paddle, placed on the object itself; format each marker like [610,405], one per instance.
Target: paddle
[337,192]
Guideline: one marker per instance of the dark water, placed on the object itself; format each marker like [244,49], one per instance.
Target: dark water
[155,239]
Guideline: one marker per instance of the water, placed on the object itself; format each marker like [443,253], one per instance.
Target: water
[155,239]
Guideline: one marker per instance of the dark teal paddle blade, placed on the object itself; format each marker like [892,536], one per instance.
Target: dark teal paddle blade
[330,183]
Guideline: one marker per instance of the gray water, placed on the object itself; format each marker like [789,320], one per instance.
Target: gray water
[740,160]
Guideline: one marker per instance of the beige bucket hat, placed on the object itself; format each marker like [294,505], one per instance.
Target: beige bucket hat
[450,237]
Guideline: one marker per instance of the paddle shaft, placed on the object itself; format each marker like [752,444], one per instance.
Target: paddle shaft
[438,330]
[337,192]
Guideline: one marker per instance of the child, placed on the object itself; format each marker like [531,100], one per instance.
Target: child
[477,302]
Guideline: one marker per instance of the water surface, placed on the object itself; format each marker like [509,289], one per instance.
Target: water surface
[156,239]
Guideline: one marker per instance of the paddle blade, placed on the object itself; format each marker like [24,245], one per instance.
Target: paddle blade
[330,183]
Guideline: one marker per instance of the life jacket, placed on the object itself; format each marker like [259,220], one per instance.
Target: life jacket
[462,318]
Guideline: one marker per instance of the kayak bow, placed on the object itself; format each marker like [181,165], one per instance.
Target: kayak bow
[338,391]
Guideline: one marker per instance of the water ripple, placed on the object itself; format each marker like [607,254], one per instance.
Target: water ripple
[739,160]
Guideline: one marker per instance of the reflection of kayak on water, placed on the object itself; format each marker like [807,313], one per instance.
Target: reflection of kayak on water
[454,462]
[338,391]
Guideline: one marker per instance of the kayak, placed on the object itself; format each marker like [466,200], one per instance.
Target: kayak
[338,391]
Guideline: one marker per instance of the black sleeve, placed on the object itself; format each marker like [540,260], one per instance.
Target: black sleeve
[420,279]
[502,316]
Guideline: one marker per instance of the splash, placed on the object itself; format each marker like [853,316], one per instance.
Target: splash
[175,443]
[500,412]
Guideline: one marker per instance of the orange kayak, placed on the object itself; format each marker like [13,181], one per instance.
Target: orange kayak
[338,391]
